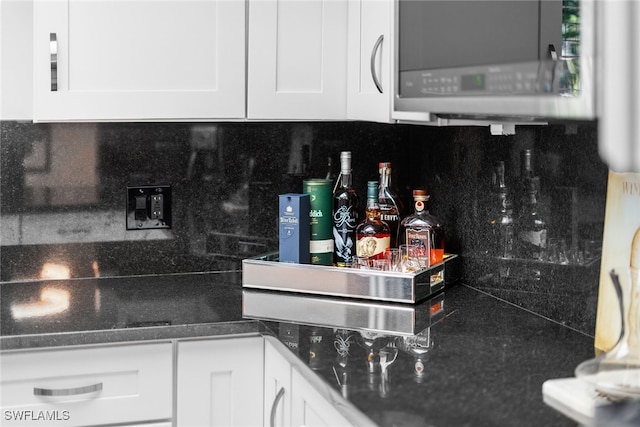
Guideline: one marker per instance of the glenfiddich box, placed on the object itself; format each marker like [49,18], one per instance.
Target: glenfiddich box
[294,228]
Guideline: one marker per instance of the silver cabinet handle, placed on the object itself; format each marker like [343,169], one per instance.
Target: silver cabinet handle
[274,406]
[373,62]
[67,391]
[53,50]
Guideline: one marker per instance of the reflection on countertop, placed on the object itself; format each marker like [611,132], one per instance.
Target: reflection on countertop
[460,358]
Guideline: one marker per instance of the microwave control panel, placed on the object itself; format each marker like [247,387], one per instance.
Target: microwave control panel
[518,79]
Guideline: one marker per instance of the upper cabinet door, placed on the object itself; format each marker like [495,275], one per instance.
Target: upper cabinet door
[370,74]
[297,59]
[139,60]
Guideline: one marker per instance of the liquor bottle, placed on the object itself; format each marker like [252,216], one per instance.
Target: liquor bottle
[418,346]
[390,205]
[526,174]
[343,339]
[373,236]
[500,216]
[423,230]
[345,214]
[531,236]
[316,341]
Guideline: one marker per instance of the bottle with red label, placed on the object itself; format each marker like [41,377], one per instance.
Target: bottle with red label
[423,230]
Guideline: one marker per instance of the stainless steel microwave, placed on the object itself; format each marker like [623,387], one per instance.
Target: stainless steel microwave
[513,60]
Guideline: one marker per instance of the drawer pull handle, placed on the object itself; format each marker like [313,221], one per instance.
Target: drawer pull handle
[67,391]
[53,49]
[276,401]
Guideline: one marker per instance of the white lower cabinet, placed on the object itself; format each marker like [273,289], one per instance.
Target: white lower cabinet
[117,384]
[219,382]
[277,386]
[226,381]
[294,396]
[309,407]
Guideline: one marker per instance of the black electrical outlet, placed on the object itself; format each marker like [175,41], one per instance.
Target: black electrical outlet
[148,206]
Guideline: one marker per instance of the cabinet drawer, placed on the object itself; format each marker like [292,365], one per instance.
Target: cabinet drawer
[87,386]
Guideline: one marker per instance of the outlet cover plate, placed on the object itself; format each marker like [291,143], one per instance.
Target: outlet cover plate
[148,207]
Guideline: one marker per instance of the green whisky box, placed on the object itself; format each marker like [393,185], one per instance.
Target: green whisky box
[321,197]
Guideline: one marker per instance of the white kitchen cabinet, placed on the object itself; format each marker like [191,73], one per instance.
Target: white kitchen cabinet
[295,396]
[370,60]
[297,59]
[277,387]
[16,89]
[138,60]
[311,408]
[101,385]
[219,382]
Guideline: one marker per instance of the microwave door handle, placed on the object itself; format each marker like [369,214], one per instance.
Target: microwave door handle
[374,52]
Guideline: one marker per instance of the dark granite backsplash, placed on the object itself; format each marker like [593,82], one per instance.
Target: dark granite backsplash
[63,197]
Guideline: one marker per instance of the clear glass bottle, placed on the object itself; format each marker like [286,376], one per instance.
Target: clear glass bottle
[390,204]
[500,232]
[526,174]
[423,230]
[373,236]
[531,235]
[345,214]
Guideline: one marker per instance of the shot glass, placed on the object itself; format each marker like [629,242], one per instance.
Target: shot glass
[362,262]
[393,255]
[380,264]
[408,258]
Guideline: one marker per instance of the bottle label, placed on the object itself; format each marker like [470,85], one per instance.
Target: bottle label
[536,238]
[321,252]
[344,235]
[421,239]
[370,246]
[343,248]
[321,246]
[389,217]
[343,219]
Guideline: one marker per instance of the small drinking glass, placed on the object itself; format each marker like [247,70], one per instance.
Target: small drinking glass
[408,258]
[393,255]
[362,262]
[381,264]
[557,251]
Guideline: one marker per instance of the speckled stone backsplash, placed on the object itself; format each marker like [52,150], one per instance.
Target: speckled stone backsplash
[63,197]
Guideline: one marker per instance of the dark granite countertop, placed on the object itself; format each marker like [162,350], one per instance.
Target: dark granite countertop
[478,361]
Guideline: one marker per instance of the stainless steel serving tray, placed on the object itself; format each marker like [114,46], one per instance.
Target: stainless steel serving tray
[265,272]
[342,313]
